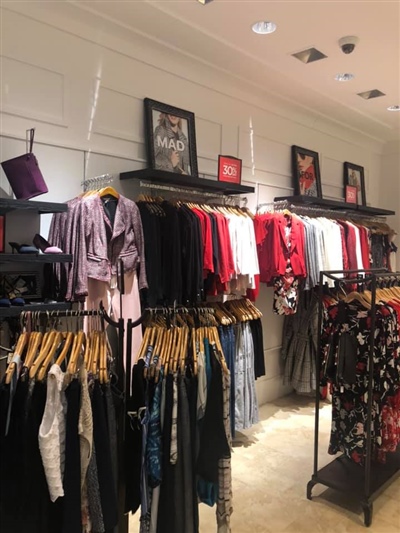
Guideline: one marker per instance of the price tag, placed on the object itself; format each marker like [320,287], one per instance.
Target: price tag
[351,194]
[229,169]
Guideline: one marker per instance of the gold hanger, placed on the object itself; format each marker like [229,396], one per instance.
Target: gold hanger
[108,191]
[35,340]
[47,343]
[69,337]
[79,341]
[49,357]
[19,349]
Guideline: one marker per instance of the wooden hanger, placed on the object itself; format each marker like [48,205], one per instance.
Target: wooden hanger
[357,296]
[47,343]
[42,372]
[35,341]
[103,358]
[67,344]
[79,341]
[19,350]
[108,191]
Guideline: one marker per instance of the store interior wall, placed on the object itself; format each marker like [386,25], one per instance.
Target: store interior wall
[81,82]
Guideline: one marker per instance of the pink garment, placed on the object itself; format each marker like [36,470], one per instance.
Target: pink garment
[101,291]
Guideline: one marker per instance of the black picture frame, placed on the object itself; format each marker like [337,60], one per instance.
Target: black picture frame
[306,177]
[2,233]
[354,175]
[162,139]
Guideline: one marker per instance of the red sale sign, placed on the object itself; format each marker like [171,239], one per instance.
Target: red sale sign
[229,169]
[351,194]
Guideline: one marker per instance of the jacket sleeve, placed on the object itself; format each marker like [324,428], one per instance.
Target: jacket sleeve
[139,238]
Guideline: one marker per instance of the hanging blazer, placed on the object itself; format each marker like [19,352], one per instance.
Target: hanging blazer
[274,250]
[98,245]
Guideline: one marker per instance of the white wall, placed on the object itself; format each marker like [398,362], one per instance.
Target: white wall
[81,82]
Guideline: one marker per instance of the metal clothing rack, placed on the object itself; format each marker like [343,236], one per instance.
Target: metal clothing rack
[182,190]
[342,474]
[309,210]
[97,182]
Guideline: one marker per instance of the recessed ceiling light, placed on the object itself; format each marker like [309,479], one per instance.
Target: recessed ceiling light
[347,76]
[204,2]
[263,27]
[309,56]
[374,93]
[394,108]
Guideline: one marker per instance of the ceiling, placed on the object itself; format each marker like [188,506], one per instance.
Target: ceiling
[220,34]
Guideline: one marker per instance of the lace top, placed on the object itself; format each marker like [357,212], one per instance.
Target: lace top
[52,433]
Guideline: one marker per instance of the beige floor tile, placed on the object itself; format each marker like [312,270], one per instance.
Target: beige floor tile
[272,464]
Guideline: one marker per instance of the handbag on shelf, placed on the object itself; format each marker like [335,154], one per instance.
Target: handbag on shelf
[24,174]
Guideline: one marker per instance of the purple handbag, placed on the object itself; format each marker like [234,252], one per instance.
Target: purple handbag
[24,174]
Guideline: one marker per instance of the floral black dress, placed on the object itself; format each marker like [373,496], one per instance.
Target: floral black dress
[350,394]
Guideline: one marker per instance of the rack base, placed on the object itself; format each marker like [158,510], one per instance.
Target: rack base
[345,476]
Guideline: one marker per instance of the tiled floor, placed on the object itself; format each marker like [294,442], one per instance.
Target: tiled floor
[271,466]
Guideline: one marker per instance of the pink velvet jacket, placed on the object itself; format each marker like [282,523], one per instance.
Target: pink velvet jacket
[96,245]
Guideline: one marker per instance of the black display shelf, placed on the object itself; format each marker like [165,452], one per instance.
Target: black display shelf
[35,258]
[312,201]
[8,204]
[16,310]
[344,475]
[181,180]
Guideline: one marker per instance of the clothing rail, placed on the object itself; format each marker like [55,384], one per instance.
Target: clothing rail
[317,211]
[180,190]
[180,309]
[341,474]
[97,182]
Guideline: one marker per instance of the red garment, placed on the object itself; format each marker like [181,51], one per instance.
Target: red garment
[274,251]
[226,266]
[351,245]
[208,263]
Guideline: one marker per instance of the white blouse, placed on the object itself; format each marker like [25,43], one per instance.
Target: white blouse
[52,433]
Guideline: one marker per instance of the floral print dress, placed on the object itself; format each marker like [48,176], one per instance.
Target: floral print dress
[350,400]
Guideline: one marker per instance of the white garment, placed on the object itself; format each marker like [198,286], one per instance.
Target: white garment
[201,385]
[52,433]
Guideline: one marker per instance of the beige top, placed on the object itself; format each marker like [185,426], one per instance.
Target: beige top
[52,433]
[85,425]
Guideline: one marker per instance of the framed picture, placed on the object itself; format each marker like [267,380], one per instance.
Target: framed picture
[170,138]
[2,232]
[354,176]
[20,284]
[306,174]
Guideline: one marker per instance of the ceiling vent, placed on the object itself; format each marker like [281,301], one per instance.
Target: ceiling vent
[309,56]
[367,95]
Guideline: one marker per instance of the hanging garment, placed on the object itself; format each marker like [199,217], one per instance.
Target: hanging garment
[347,371]
[299,344]
[52,433]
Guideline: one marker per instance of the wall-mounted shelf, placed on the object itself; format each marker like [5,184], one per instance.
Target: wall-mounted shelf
[8,204]
[35,258]
[312,201]
[15,310]
[180,180]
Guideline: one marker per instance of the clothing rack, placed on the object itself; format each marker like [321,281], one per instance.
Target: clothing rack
[280,205]
[123,380]
[181,190]
[342,474]
[97,182]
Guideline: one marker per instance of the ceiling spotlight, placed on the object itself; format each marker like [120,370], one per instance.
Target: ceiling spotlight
[347,76]
[263,27]
[394,108]
[204,2]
